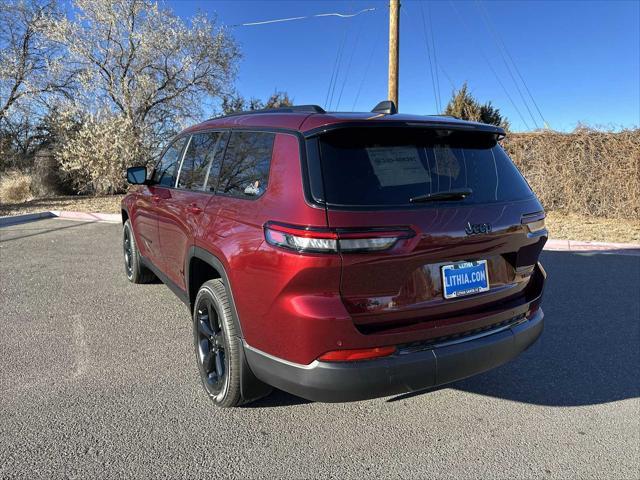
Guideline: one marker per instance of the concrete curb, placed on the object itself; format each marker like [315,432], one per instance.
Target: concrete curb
[30,217]
[592,247]
[96,217]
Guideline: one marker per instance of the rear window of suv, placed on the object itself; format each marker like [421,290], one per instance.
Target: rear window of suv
[386,167]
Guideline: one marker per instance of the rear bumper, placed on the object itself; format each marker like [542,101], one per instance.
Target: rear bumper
[400,373]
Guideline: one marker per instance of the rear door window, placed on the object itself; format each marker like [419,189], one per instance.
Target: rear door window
[378,167]
[213,173]
[245,169]
[202,154]
[166,169]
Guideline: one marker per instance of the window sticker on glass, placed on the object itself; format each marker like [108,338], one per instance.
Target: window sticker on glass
[447,165]
[254,189]
[397,165]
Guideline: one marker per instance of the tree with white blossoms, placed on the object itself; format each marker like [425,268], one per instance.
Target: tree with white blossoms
[95,152]
[30,65]
[142,73]
[31,75]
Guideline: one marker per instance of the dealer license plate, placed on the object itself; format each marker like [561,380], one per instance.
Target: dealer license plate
[464,278]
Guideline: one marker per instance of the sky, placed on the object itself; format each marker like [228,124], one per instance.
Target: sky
[580,60]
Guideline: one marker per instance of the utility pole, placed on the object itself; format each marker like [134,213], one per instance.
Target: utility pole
[394,49]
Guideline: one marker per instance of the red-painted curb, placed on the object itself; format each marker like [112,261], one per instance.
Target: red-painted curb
[96,217]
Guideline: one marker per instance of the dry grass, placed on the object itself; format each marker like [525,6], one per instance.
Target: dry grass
[15,187]
[569,226]
[587,172]
[103,204]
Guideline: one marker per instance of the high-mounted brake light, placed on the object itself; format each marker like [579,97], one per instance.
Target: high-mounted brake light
[359,354]
[321,240]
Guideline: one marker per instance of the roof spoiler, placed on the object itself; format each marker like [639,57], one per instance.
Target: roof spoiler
[393,122]
[386,107]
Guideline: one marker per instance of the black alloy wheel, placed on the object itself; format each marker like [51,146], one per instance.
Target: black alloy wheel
[210,346]
[134,268]
[128,253]
[218,348]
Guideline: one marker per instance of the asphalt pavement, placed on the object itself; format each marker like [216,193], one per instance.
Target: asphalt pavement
[98,379]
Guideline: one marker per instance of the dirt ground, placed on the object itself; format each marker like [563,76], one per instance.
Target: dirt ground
[561,225]
[570,226]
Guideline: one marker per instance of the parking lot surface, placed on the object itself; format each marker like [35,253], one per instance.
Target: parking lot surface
[97,379]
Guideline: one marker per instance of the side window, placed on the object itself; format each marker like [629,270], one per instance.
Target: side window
[202,150]
[245,169]
[167,168]
[213,173]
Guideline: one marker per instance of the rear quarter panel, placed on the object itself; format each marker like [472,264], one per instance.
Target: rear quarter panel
[271,287]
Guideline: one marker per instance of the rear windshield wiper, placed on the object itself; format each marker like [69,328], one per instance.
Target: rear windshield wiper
[460,194]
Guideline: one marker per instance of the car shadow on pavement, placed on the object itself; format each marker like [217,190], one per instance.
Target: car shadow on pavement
[589,352]
[277,398]
[18,232]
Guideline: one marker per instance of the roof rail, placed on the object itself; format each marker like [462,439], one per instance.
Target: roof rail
[287,109]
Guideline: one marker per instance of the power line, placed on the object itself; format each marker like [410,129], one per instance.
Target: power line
[366,71]
[335,66]
[453,86]
[426,41]
[515,65]
[486,59]
[346,75]
[304,17]
[338,65]
[435,58]
[506,64]
[438,64]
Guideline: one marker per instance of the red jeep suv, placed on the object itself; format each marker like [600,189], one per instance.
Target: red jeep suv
[340,256]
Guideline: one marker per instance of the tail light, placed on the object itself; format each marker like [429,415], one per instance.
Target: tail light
[359,354]
[534,221]
[324,240]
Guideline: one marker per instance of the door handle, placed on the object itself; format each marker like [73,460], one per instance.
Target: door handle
[193,208]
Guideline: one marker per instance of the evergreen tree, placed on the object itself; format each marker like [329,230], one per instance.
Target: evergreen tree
[464,106]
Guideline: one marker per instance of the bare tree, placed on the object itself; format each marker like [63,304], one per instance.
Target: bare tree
[140,61]
[30,65]
[237,103]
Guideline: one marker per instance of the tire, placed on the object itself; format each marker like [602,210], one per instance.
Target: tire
[217,345]
[135,271]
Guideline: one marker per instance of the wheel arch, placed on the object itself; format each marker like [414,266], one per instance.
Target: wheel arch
[250,386]
[202,265]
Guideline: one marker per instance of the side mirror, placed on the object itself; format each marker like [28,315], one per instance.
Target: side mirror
[137,175]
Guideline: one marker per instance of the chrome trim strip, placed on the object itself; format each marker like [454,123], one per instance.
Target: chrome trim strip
[278,359]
